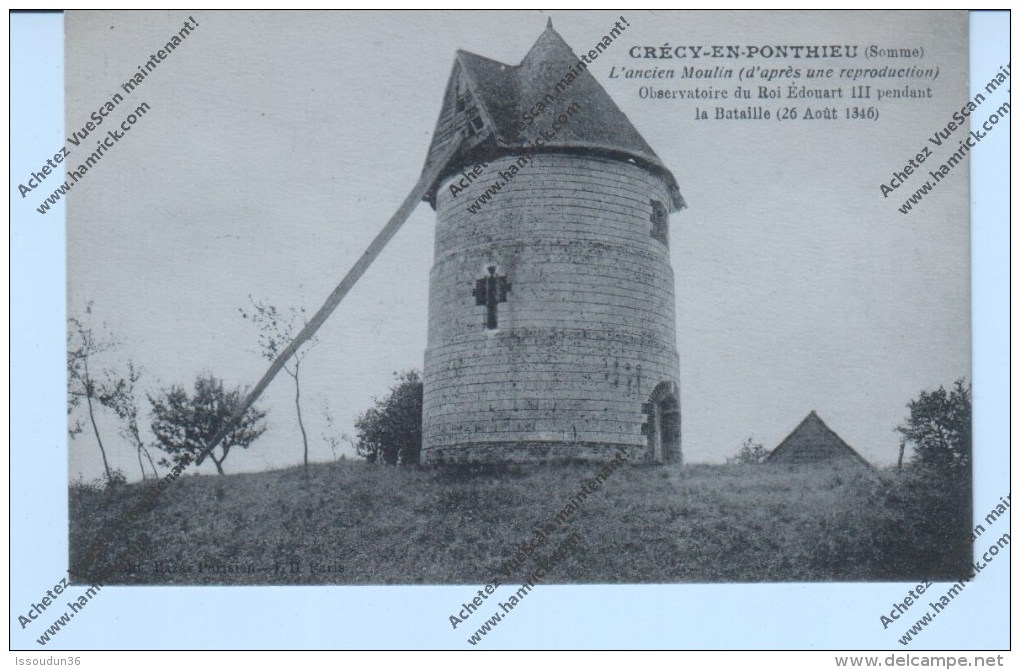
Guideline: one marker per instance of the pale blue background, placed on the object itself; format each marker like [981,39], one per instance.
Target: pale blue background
[788,616]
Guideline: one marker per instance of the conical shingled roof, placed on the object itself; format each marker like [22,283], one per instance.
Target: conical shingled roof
[814,442]
[495,95]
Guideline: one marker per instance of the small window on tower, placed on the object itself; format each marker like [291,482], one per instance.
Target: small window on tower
[477,123]
[660,222]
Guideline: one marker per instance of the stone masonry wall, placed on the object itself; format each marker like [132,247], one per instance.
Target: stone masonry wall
[588,327]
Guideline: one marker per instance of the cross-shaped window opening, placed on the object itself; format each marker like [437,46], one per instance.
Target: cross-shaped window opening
[490,291]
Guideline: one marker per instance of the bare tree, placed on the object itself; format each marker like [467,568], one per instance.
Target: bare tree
[277,329]
[334,438]
[83,345]
[117,393]
[329,434]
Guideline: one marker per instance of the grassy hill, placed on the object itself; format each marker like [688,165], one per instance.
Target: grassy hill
[356,523]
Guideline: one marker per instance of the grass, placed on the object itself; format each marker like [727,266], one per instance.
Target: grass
[356,523]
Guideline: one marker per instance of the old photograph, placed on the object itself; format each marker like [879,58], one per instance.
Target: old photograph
[504,300]
[631,272]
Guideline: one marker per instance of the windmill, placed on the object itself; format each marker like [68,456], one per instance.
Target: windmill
[551,300]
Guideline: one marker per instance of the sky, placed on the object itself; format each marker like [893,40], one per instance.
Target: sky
[277,145]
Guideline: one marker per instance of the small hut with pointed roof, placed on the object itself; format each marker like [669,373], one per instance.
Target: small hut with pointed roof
[813,442]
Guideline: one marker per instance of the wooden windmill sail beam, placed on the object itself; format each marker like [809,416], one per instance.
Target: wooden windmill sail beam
[353,275]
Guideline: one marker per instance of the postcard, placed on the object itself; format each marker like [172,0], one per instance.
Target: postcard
[517,329]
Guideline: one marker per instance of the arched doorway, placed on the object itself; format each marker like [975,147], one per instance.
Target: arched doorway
[662,424]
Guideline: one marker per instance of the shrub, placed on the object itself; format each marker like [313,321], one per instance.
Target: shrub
[390,432]
[750,453]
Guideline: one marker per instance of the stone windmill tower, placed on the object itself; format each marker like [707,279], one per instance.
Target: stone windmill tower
[552,325]
[551,305]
